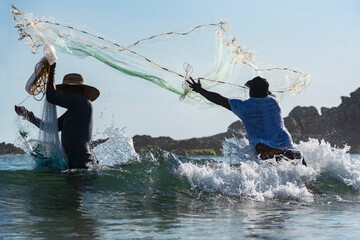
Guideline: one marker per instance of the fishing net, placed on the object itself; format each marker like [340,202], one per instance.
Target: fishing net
[215,58]
[50,152]
[45,148]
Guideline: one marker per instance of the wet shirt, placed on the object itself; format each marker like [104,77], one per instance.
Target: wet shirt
[263,121]
[76,125]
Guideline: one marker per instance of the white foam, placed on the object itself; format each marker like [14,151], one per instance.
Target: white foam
[261,180]
[240,173]
[251,179]
[332,162]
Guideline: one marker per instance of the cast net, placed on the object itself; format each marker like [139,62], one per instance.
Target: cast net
[50,152]
[45,147]
[215,58]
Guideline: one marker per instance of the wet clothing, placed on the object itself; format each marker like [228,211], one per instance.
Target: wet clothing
[76,127]
[263,121]
[75,124]
[265,127]
[266,152]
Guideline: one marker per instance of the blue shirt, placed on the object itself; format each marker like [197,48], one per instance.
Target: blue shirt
[263,121]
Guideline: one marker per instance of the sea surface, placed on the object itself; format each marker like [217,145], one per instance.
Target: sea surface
[158,195]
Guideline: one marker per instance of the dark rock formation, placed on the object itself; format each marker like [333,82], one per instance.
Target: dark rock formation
[10,149]
[190,147]
[338,125]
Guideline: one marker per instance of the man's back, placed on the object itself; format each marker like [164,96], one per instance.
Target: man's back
[76,126]
[263,121]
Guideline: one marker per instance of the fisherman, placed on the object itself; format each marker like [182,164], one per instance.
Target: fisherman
[76,123]
[261,116]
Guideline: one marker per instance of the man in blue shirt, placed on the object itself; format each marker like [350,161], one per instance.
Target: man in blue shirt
[261,116]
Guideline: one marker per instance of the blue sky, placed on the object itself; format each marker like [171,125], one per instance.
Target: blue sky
[320,37]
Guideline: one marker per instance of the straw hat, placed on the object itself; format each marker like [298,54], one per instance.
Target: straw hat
[75,79]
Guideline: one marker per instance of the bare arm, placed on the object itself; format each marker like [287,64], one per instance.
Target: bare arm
[211,96]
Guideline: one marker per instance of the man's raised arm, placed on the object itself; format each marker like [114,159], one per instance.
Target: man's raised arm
[211,96]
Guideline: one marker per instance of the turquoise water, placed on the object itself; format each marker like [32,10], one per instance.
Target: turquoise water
[157,195]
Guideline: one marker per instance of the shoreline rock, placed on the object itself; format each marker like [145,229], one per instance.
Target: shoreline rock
[339,125]
[10,149]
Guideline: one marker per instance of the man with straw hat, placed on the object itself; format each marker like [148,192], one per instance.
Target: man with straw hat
[77,122]
[261,116]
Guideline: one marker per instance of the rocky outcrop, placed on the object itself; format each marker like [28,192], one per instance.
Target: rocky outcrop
[190,147]
[204,146]
[10,149]
[338,125]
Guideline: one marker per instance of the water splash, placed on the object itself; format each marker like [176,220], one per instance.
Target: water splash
[332,162]
[331,172]
[241,174]
[118,149]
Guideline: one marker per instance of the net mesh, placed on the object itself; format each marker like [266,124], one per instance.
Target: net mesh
[45,148]
[49,138]
[221,64]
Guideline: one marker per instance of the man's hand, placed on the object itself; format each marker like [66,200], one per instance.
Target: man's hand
[196,86]
[22,111]
[211,96]
[28,115]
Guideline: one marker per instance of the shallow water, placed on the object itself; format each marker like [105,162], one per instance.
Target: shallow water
[158,195]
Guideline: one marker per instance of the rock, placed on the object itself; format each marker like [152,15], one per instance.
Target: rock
[189,147]
[337,125]
[10,149]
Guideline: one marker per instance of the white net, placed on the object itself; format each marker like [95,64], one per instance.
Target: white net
[222,64]
[45,147]
[49,137]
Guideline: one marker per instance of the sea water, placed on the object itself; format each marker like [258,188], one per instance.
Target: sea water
[158,195]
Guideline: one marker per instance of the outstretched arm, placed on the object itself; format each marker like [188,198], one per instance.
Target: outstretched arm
[28,115]
[211,96]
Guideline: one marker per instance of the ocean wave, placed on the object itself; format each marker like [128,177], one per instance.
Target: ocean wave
[331,172]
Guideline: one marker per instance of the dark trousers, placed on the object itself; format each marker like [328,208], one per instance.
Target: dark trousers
[266,152]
